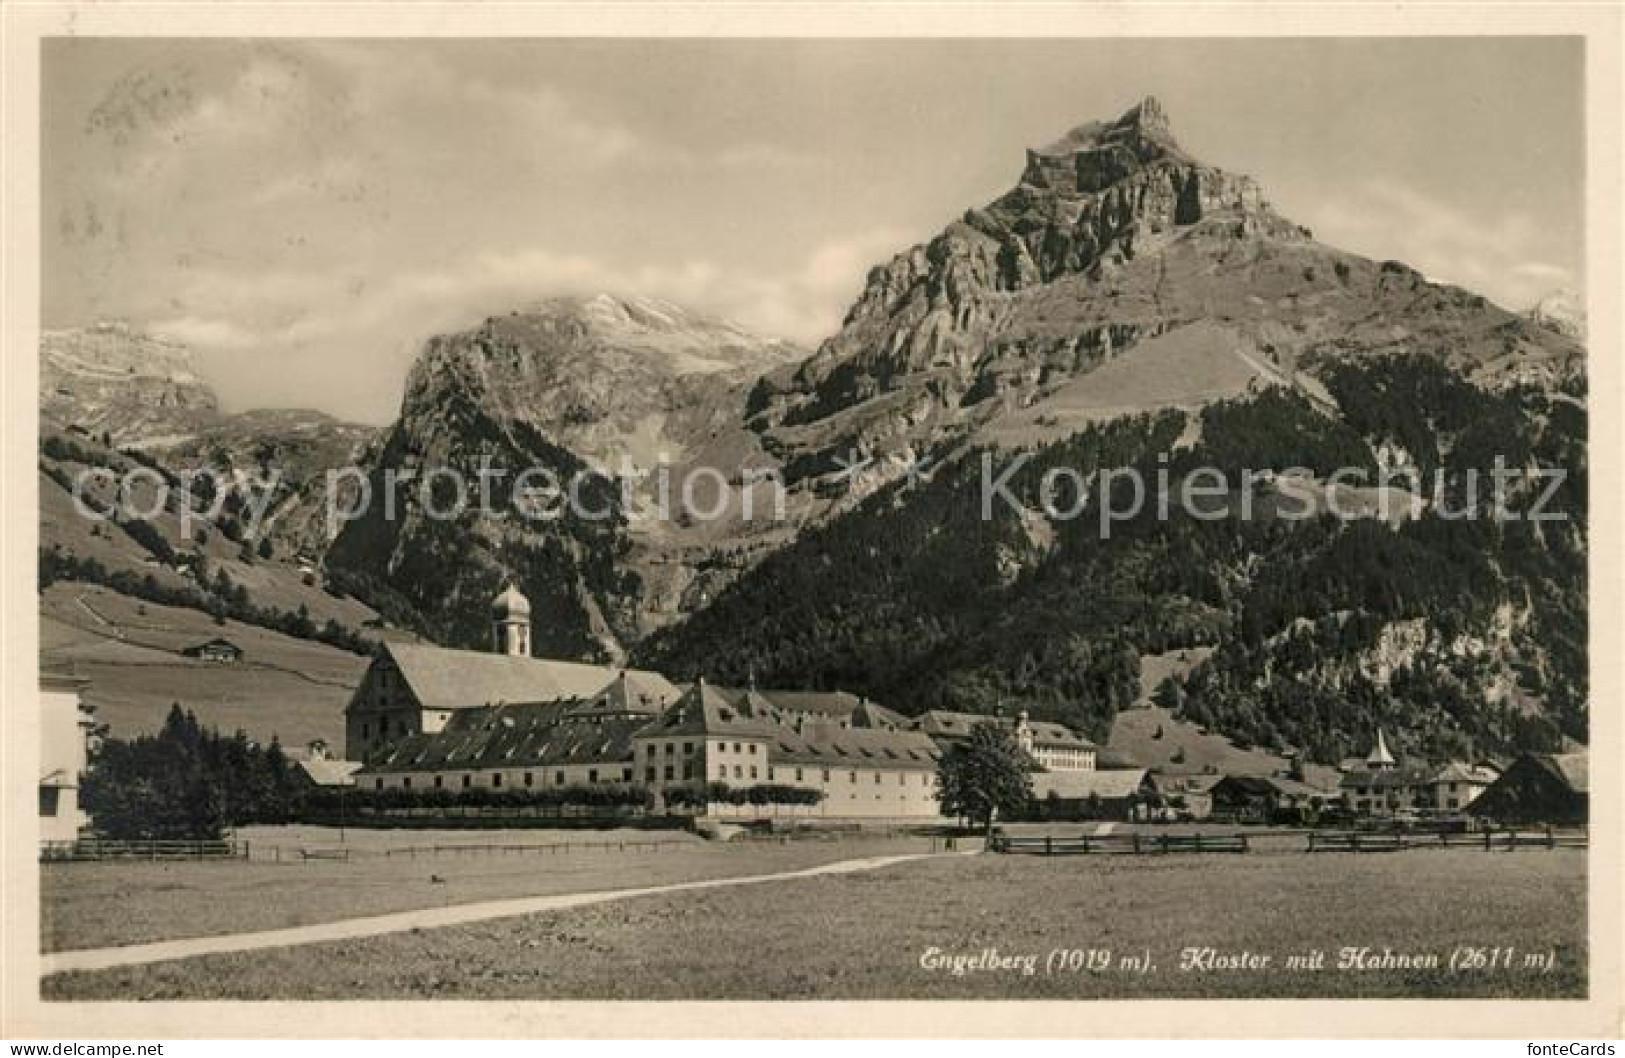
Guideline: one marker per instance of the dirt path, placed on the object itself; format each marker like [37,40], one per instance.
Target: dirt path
[117,632]
[425,918]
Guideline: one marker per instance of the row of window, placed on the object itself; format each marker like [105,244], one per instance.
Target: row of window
[383,728]
[653,774]
[926,778]
[529,779]
[652,749]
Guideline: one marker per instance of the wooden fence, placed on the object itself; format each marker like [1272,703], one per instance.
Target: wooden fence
[536,849]
[1489,840]
[1120,844]
[100,849]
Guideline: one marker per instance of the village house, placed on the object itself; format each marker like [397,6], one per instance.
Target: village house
[1190,793]
[1379,786]
[1244,799]
[1263,798]
[1455,786]
[67,724]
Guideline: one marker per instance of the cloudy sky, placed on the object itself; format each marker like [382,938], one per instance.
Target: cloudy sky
[305,213]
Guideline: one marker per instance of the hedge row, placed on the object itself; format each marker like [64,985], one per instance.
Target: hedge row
[331,801]
[328,800]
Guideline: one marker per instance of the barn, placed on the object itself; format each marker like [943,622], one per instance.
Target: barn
[1538,788]
[1120,794]
[222,651]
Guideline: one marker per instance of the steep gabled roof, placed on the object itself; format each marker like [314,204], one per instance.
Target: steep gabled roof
[628,694]
[329,772]
[1573,768]
[870,715]
[1250,785]
[1298,788]
[217,643]
[514,736]
[1189,783]
[943,723]
[829,703]
[1106,785]
[1458,771]
[750,702]
[829,745]
[442,678]
[706,710]
[1046,733]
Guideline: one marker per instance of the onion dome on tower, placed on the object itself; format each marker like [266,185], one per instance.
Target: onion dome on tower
[510,623]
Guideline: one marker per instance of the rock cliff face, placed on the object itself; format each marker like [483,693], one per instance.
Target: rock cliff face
[1086,206]
[594,391]
[606,377]
[1115,245]
[298,447]
[133,387]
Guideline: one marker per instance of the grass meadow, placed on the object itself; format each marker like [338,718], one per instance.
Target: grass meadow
[872,935]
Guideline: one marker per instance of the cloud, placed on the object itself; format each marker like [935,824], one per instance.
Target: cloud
[201,333]
[274,336]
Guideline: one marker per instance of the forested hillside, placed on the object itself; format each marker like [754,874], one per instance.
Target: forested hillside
[1456,634]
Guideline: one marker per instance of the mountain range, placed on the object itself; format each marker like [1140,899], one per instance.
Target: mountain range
[1124,304]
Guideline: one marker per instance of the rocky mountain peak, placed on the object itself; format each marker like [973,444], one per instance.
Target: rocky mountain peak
[1560,311]
[1095,155]
[660,335]
[1113,239]
[608,376]
[1107,197]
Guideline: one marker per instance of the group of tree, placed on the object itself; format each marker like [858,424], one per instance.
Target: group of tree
[188,782]
[756,794]
[219,596]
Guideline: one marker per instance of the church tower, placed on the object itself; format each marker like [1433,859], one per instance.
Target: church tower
[1380,759]
[510,623]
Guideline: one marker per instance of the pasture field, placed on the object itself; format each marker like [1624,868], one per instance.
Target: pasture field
[129,650]
[893,934]
[102,904]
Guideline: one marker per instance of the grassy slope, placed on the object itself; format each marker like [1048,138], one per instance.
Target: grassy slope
[276,584]
[862,936]
[295,689]
[1185,368]
[292,688]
